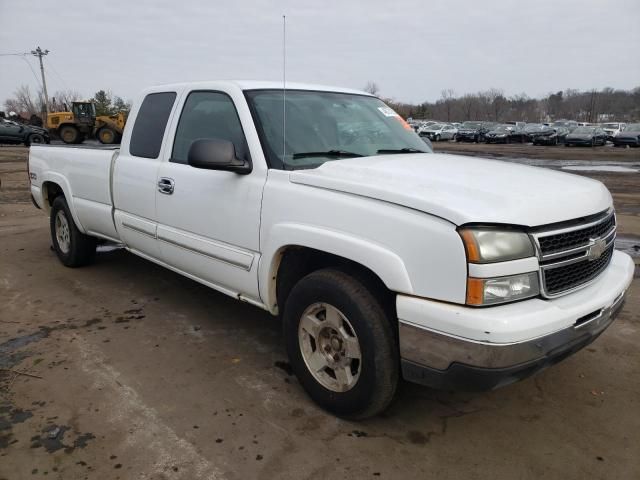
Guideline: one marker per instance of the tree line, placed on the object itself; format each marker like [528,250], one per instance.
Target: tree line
[26,102]
[605,105]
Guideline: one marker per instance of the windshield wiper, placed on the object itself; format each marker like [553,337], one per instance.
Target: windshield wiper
[402,150]
[328,153]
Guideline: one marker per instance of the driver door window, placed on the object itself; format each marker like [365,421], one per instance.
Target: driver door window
[208,115]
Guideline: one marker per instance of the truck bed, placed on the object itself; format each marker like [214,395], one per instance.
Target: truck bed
[85,176]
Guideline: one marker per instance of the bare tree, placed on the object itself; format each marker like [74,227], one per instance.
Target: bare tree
[63,99]
[496,102]
[23,101]
[372,88]
[447,97]
[469,105]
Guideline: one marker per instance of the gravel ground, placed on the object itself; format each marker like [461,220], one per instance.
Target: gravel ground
[141,373]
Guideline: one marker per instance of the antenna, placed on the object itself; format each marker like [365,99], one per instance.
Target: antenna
[284,86]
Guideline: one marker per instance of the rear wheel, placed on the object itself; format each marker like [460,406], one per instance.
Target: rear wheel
[69,134]
[437,139]
[106,135]
[341,344]
[74,249]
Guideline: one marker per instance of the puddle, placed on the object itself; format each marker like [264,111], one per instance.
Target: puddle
[629,244]
[601,168]
[575,165]
[8,355]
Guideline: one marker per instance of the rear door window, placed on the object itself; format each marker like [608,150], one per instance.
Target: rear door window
[151,122]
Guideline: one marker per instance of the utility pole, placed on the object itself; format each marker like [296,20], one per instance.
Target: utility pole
[38,52]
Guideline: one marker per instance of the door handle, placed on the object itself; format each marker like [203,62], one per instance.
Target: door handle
[166,185]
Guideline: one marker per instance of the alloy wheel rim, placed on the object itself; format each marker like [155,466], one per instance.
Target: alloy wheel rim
[63,236]
[330,347]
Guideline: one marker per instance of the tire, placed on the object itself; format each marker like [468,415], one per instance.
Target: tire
[36,138]
[106,136]
[74,249]
[437,139]
[331,298]
[68,134]
[81,138]
[593,142]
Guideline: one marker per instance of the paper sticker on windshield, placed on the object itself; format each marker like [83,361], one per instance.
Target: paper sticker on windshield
[388,112]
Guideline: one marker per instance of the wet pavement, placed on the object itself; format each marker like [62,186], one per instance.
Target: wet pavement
[125,370]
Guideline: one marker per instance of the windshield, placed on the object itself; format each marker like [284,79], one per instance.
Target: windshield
[632,127]
[436,126]
[471,125]
[611,125]
[584,130]
[323,126]
[502,128]
[533,127]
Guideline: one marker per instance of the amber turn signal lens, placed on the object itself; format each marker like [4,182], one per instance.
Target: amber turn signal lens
[475,291]
[470,244]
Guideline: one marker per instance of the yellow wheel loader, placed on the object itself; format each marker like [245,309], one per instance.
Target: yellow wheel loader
[81,122]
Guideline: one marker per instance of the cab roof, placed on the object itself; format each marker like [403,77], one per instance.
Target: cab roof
[254,85]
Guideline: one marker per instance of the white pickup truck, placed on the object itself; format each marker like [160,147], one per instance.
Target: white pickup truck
[321,204]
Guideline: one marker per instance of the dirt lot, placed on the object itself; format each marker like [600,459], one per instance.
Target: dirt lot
[141,373]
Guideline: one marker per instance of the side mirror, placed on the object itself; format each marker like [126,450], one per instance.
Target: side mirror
[217,154]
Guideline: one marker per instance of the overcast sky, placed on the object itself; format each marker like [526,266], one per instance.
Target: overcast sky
[412,49]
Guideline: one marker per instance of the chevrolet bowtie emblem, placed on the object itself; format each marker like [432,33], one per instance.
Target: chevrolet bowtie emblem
[597,248]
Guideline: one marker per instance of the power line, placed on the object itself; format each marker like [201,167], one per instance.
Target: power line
[57,74]
[32,71]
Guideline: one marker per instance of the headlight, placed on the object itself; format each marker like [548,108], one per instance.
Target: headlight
[489,246]
[491,291]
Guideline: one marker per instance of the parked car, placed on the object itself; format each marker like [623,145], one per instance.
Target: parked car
[504,134]
[424,126]
[531,130]
[384,259]
[472,132]
[16,133]
[630,136]
[551,136]
[440,131]
[586,136]
[568,124]
[612,129]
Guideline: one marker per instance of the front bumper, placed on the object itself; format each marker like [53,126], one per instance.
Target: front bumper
[546,140]
[578,141]
[461,348]
[632,142]
[467,137]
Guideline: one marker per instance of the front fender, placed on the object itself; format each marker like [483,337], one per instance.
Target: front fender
[384,263]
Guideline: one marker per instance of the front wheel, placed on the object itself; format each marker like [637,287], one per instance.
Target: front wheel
[106,136]
[74,249]
[341,344]
[34,138]
[69,134]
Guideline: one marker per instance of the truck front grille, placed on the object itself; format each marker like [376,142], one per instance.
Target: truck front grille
[558,280]
[574,256]
[575,238]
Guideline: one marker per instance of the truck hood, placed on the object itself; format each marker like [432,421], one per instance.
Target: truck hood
[463,189]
